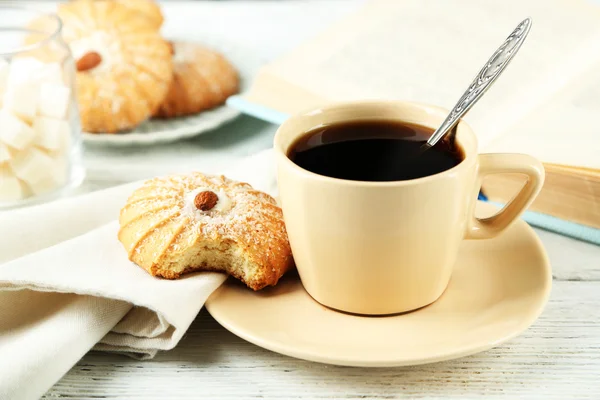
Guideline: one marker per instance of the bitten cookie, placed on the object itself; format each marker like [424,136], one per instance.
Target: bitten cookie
[202,79]
[195,222]
[124,67]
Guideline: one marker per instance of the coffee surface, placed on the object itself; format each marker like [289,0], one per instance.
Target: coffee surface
[376,151]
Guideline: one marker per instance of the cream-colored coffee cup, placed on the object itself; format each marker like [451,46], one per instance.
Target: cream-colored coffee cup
[388,247]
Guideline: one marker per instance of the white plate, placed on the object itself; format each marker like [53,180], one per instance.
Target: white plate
[168,130]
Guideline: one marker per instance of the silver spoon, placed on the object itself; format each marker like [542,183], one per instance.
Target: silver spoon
[484,79]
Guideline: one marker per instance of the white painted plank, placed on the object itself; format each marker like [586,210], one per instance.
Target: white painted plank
[557,358]
[571,259]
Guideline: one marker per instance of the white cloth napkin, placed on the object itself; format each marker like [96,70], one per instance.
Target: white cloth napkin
[66,287]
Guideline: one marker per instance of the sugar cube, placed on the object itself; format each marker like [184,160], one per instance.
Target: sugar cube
[50,133]
[50,73]
[21,99]
[32,166]
[56,177]
[13,131]
[11,189]
[4,153]
[4,68]
[44,186]
[24,82]
[24,69]
[53,100]
[60,169]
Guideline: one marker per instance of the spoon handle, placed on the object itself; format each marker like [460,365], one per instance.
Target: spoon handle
[484,79]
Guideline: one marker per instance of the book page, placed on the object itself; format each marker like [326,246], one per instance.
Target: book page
[430,50]
[564,131]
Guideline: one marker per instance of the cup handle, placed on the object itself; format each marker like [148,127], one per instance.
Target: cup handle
[482,228]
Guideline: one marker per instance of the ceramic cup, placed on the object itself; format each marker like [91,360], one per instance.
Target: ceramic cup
[388,247]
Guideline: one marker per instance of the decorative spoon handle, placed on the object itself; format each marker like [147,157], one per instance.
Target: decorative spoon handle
[484,79]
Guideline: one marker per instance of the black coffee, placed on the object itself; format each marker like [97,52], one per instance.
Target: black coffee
[373,151]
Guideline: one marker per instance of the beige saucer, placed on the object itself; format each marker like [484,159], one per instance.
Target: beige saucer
[498,288]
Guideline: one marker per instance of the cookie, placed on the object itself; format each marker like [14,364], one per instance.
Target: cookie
[202,79]
[185,223]
[124,67]
[149,8]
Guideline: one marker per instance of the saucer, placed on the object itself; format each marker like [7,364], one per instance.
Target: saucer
[498,288]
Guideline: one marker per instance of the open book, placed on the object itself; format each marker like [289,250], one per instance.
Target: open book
[545,104]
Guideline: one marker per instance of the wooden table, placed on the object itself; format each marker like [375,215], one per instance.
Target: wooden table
[558,357]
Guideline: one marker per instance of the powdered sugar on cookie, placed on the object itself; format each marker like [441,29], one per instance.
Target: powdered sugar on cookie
[166,230]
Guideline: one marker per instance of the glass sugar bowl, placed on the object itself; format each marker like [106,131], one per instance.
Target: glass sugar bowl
[40,133]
